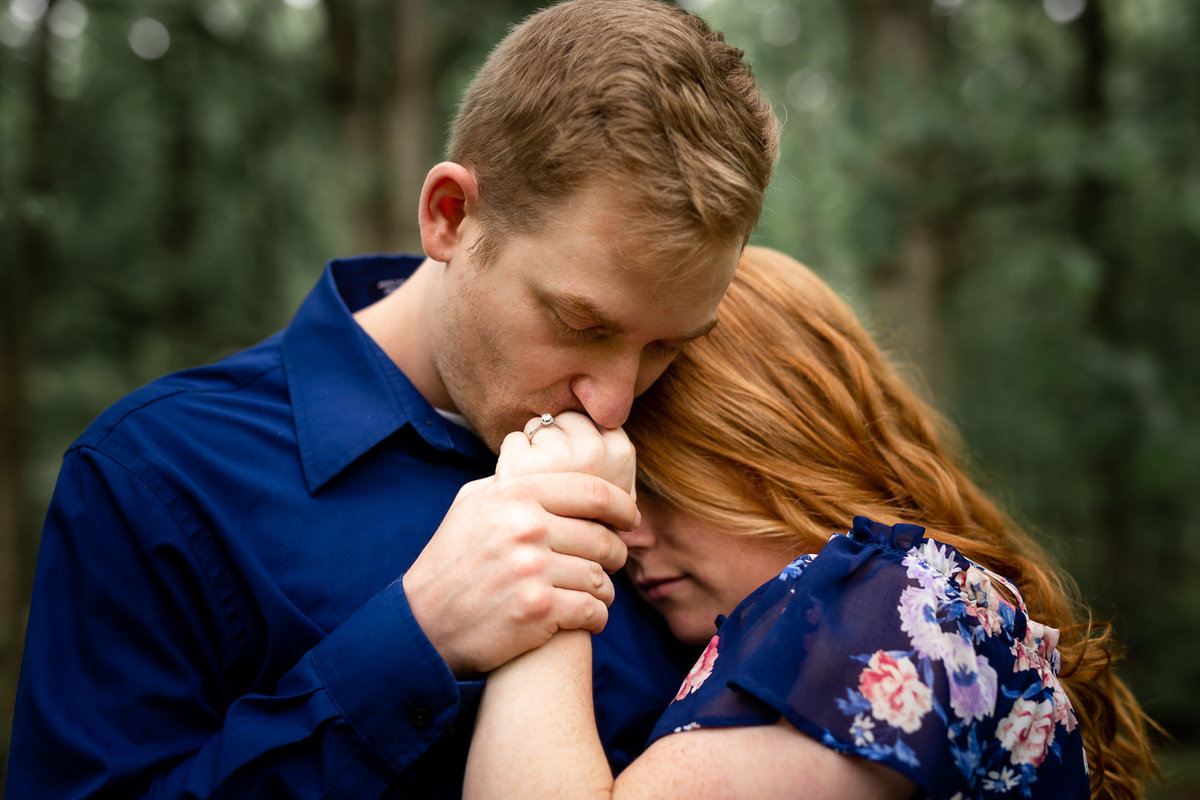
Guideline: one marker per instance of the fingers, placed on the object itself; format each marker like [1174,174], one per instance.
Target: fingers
[554,609]
[580,610]
[539,423]
[579,496]
[589,543]
[572,443]
[572,574]
[570,513]
[567,423]
[546,583]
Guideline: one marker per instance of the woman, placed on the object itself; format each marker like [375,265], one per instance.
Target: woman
[894,645]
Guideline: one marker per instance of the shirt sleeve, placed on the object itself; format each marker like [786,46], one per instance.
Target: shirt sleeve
[133,679]
[895,649]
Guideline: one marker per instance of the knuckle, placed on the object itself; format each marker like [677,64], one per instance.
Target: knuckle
[623,451]
[591,451]
[604,547]
[533,602]
[618,551]
[594,616]
[511,484]
[599,493]
[598,578]
[527,562]
[528,529]
[471,489]
[609,597]
[512,445]
[587,618]
[610,551]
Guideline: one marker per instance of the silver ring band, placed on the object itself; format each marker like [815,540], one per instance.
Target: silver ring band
[544,421]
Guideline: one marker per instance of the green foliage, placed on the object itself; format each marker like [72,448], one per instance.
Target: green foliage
[192,201]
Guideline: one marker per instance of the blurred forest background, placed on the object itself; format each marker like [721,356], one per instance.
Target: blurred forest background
[1008,189]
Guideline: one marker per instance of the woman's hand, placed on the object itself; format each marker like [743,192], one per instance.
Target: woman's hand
[572,443]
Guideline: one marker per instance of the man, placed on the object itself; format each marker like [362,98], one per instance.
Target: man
[261,579]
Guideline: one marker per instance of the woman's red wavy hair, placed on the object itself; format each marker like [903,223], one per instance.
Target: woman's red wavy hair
[787,421]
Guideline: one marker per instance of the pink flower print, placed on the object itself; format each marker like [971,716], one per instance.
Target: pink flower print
[1027,731]
[976,586]
[700,672]
[896,694]
[1064,714]
[1039,651]
[1042,638]
[988,619]
[983,602]
[1047,648]
[1025,658]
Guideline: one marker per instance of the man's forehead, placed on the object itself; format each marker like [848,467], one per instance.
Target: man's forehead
[630,232]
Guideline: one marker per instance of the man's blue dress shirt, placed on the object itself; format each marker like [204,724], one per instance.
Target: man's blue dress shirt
[218,609]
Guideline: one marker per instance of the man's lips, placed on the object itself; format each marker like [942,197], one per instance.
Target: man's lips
[660,587]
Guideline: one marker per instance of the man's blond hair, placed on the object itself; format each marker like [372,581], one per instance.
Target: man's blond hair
[636,92]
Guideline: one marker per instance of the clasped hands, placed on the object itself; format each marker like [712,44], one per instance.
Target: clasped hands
[528,551]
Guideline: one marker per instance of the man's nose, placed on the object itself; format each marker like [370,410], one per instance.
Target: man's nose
[607,391]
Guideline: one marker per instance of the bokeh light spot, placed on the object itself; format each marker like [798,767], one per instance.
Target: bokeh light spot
[67,19]
[1064,10]
[807,90]
[780,25]
[149,39]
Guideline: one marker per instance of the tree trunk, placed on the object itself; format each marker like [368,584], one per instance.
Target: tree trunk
[181,313]
[383,94]
[346,95]
[898,46]
[1111,468]
[409,121]
[24,280]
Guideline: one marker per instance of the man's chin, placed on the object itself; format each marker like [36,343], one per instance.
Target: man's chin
[493,436]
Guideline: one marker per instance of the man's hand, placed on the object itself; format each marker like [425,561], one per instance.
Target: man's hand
[525,553]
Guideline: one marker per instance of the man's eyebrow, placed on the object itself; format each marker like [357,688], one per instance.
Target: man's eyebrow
[582,307]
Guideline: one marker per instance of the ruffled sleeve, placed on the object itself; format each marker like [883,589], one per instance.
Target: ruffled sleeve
[895,648]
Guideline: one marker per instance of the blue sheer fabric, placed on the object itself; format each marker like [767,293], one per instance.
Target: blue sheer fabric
[895,648]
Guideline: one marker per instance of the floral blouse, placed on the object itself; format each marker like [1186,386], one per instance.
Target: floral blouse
[896,648]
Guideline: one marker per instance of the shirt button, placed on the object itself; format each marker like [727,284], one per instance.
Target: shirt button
[420,718]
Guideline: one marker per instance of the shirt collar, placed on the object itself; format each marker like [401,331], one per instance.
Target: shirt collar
[347,394]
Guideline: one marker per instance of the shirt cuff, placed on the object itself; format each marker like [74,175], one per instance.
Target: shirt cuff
[387,679]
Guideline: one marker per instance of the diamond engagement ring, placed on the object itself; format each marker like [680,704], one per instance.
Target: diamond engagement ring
[544,421]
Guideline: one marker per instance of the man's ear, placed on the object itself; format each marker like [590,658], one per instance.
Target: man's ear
[449,196]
